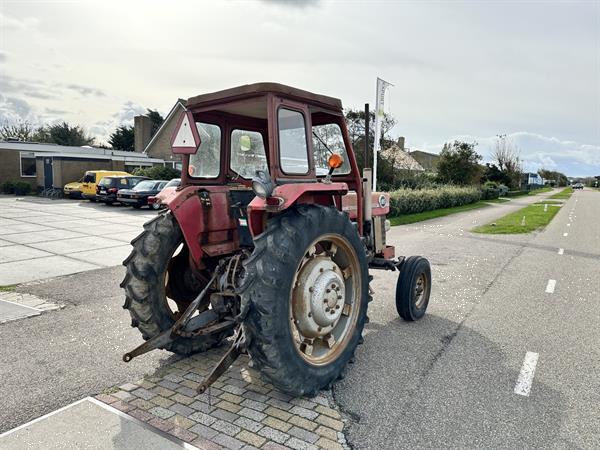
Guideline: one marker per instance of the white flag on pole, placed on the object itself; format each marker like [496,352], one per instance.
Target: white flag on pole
[382,85]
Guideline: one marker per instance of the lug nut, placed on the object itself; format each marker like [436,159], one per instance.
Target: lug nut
[339,297]
[328,290]
[336,307]
[326,309]
[310,314]
[311,289]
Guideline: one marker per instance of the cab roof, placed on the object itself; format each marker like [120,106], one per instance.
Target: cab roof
[260,89]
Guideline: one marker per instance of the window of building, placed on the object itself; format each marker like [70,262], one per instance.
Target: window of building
[293,153]
[28,168]
[247,153]
[328,139]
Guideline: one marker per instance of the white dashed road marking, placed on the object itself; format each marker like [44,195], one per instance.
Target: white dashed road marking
[561,251]
[565,234]
[568,224]
[550,286]
[525,379]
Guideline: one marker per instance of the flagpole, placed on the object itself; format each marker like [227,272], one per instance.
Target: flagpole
[379,103]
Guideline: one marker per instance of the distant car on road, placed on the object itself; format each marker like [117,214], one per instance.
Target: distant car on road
[578,186]
[107,189]
[138,195]
[155,202]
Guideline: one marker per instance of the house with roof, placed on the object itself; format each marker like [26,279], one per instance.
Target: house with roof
[51,165]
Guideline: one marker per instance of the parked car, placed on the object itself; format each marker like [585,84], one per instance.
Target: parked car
[73,189]
[138,195]
[578,186]
[156,201]
[93,177]
[107,188]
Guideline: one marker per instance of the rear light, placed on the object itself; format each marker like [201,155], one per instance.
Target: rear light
[151,200]
[112,190]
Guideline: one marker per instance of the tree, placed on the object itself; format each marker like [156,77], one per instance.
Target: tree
[63,134]
[355,121]
[21,131]
[156,118]
[506,156]
[122,138]
[158,172]
[555,178]
[493,173]
[459,164]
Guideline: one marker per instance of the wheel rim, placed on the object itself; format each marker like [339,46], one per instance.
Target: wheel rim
[325,299]
[420,290]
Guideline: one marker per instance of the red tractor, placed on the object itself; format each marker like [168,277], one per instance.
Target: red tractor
[269,237]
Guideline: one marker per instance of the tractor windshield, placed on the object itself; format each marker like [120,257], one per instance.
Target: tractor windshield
[206,161]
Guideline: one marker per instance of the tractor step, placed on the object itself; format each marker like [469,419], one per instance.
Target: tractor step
[387,264]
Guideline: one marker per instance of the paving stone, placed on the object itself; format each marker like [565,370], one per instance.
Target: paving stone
[128,387]
[183,434]
[280,395]
[279,404]
[108,399]
[321,400]
[326,432]
[328,411]
[202,418]
[172,377]
[303,423]
[228,442]
[224,415]
[161,424]
[337,425]
[123,395]
[302,402]
[142,404]
[122,406]
[181,409]
[303,412]
[181,422]
[201,406]
[161,412]
[329,444]
[142,415]
[226,427]
[273,446]
[254,405]
[190,384]
[203,431]
[277,424]
[194,377]
[256,396]
[169,385]
[205,444]
[278,413]
[303,434]
[259,389]
[232,398]
[298,444]
[187,391]
[145,384]
[143,393]
[274,435]
[239,383]
[233,389]
[251,438]
[252,414]
[248,424]
[162,391]
[227,406]
[249,447]
[184,399]
[162,401]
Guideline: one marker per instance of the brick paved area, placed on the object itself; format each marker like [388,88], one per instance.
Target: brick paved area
[240,411]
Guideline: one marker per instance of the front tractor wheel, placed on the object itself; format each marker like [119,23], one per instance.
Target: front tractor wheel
[413,288]
[307,291]
[160,284]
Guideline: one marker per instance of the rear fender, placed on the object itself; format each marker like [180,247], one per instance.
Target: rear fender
[287,195]
[204,232]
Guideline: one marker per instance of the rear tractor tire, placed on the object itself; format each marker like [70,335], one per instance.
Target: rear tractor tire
[148,286]
[307,290]
[413,288]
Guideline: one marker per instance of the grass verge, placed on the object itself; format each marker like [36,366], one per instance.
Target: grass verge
[9,288]
[427,215]
[525,220]
[564,194]
[549,202]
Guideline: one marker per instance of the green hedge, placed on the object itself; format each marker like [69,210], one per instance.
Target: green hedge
[16,187]
[408,201]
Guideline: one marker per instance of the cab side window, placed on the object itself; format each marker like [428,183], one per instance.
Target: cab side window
[293,148]
[328,139]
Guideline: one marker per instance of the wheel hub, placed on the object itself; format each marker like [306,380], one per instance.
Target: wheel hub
[319,296]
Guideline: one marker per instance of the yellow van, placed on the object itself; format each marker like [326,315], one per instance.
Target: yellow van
[92,178]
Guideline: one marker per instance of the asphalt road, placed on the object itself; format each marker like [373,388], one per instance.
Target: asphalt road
[448,381]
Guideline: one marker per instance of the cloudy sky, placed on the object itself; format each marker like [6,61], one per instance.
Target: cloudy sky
[461,70]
